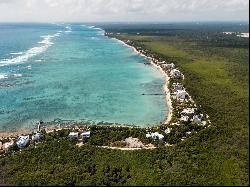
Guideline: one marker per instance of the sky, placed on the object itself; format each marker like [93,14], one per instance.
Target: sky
[123,10]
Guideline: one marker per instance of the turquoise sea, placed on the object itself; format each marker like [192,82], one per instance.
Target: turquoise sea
[54,72]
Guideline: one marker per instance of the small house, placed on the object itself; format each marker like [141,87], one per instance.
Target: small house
[244,35]
[199,119]
[22,141]
[188,111]
[177,124]
[175,73]
[178,86]
[37,136]
[161,63]
[73,135]
[168,130]
[85,135]
[168,66]
[155,136]
[184,118]
[181,94]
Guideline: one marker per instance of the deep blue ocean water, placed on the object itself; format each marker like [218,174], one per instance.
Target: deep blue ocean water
[74,72]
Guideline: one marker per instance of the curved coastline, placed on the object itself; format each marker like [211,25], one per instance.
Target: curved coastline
[166,120]
[165,86]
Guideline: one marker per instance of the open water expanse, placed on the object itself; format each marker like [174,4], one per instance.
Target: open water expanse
[73,72]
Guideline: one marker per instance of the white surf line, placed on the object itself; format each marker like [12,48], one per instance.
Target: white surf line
[24,56]
[3,76]
[68,29]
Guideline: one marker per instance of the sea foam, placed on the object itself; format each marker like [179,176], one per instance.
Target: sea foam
[17,75]
[24,56]
[3,76]
[68,29]
[18,53]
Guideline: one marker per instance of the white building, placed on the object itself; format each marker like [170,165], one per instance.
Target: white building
[161,63]
[168,130]
[178,86]
[228,33]
[244,35]
[175,73]
[168,66]
[37,136]
[177,124]
[184,118]
[188,111]
[155,136]
[73,135]
[181,94]
[22,141]
[85,135]
[198,118]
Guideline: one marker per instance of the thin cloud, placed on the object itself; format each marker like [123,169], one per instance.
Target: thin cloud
[123,10]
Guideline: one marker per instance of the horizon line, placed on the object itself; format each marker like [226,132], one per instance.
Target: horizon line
[129,22]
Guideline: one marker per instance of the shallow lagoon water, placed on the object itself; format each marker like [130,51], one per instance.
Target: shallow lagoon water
[74,72]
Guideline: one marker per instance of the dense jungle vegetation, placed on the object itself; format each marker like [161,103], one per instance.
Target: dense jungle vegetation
[216,68]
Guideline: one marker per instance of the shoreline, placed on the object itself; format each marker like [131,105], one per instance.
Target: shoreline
[13,134]
[168,117]
[166,120]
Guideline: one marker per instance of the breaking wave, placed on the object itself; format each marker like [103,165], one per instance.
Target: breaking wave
[3,76]
[68,29]
[6,76]
[19,53]
[24,56]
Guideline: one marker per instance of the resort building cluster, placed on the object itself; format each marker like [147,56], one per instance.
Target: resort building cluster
[184,108]
[37,136]
[242,34]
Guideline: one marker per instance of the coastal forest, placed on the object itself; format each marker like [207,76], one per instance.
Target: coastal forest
[216,70]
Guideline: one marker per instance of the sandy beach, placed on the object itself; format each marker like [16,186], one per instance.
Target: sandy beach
[12,134]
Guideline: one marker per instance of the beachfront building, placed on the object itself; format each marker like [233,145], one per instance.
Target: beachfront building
[85,135]
[22,141]
[177,124]
[199,119]
[37,136]
[175,73]
[188,111]
[181,94]
[177,86]
[161,63]
[155,136]
[168,130]
[184,118]
[228,33]
[244,35]
[73,135]
[168,66]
